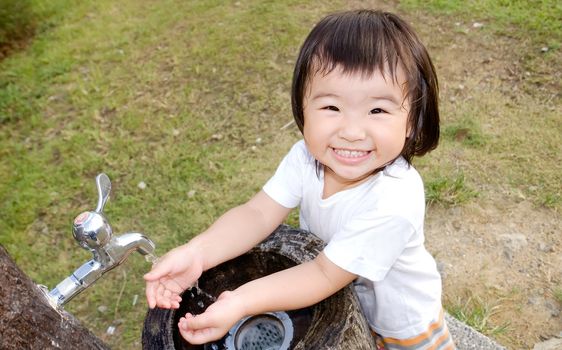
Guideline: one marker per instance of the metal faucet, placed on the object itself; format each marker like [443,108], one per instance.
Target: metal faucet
[92,231]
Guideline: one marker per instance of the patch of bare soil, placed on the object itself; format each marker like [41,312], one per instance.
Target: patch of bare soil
[508,254]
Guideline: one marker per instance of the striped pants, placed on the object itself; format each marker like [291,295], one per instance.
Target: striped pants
[436,337]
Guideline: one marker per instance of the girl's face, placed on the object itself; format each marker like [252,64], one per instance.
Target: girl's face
[355,124]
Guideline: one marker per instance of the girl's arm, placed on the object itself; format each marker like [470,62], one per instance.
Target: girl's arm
[294,288]
[240,229]
[234,233]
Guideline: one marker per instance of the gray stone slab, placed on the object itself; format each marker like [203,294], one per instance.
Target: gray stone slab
[467,338]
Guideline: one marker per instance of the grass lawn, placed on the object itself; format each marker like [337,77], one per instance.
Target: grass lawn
[192,99]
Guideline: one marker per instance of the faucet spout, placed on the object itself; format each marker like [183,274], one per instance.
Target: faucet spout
[105,259]
[120,247]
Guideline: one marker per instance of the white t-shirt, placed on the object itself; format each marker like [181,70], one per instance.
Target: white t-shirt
[374,230]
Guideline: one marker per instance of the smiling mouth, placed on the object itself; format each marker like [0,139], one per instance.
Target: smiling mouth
[346,153]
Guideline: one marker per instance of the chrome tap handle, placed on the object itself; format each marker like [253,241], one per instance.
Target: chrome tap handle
[91,228]
[104,188]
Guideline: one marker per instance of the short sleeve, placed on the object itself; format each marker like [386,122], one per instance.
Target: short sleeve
[285,186]
[369,245]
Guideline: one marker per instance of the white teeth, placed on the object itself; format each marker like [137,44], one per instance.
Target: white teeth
[350,154]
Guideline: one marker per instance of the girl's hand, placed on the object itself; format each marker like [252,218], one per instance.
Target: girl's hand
[171,275]
[215,322]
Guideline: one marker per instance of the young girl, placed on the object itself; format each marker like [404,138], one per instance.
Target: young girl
[364,97]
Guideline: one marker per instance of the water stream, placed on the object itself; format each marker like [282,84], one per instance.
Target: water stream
[151,258]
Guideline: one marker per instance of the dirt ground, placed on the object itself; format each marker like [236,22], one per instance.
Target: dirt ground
[507,255]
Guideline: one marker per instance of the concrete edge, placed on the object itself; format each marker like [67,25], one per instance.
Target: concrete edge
[467,338]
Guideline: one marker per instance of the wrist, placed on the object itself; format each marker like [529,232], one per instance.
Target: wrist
[194,250]
[240,303]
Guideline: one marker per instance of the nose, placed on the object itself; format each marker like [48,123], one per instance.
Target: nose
[352,129]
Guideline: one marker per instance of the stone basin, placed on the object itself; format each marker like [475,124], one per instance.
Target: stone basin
[334,323]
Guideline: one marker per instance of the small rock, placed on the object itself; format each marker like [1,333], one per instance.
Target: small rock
[441,268]
[546,248]
[110,330]
[457,224]
[544,49]
[554,310]
[191,193]
[258,140]
[175,132]
[102,308]
[141,185]
[551,344]
[515,241]
[254,148]
[534,300]
[477,25]
[216,137]
[512,243]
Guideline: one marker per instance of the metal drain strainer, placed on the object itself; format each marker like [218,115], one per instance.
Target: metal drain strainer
[271,331]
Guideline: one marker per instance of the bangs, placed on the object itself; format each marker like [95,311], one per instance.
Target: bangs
[358,45]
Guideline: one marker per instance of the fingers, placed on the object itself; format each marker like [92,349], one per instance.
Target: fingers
[151,294]
[152,283]
[198,329]
[158,294]
[158,271]
[166,298]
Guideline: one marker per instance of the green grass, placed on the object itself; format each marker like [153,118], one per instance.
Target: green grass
[448,190]
[466,131]
[478,314]
[175,94]
[558,294]
[523,18]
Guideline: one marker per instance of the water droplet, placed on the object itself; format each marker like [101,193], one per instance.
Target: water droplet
[151,258]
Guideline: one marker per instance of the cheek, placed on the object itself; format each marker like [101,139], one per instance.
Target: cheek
[310,128]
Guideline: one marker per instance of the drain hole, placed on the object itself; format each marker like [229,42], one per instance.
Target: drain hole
[259,333]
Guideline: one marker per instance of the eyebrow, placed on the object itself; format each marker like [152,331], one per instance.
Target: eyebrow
[389,98]
[322,95]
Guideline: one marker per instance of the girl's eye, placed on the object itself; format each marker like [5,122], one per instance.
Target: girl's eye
[332,108]
[376,111]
